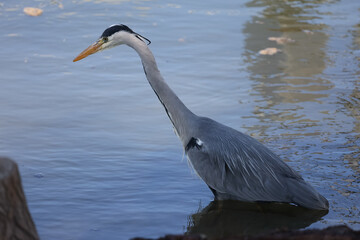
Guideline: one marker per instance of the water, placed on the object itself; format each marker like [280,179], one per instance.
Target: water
[97,154]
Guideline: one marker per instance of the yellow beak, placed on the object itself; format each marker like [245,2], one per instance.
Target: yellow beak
[93,48]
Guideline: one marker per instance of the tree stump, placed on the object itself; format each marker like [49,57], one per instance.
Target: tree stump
[15,219]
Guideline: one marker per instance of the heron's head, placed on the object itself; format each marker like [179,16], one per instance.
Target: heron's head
[113,36]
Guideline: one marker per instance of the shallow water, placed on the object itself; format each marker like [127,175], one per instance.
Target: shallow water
[97,154]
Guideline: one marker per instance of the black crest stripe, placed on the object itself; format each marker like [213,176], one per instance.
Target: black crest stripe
[116,28]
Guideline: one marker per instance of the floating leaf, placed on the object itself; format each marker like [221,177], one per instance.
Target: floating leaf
[33,11]
[269,51]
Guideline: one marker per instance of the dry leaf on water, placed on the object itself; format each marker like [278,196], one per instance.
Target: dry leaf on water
[33,11]
[269,51]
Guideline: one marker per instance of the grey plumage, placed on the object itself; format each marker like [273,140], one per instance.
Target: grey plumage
[236,166]
[233,165]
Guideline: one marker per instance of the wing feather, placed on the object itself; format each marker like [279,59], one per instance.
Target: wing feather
[236,165]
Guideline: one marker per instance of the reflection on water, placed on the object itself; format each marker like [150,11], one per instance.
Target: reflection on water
[352,104]
[295,89]
[287,80]
[230,218]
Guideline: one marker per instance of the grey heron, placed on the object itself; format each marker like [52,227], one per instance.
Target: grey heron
[232,164]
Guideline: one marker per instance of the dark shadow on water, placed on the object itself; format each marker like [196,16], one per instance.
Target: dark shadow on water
[230,218]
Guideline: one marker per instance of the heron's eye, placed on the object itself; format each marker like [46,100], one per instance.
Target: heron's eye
[105,39]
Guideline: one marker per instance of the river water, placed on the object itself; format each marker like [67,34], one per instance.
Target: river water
[97,154]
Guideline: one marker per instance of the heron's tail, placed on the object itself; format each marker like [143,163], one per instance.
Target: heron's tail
[306,196]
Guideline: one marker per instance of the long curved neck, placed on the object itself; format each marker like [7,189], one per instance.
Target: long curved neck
[180,116]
